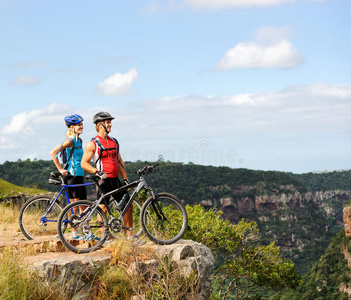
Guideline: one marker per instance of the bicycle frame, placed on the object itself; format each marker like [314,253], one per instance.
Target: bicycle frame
[140,184]
[162,217]
[63,188]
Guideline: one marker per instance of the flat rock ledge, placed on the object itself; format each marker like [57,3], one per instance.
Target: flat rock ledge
[75,272]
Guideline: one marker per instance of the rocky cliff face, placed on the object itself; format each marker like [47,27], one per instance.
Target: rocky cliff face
[296,221]
[232,207]
[347,222]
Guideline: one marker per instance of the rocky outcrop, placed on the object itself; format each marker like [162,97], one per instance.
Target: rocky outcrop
[74,272]
[285,215]
[276,200]
[71,272]
[17,200]
[347,220]
[190,256]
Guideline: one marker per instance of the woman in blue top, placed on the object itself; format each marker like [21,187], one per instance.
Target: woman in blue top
[72,168]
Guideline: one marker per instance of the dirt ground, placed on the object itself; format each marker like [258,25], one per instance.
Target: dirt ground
[10,234]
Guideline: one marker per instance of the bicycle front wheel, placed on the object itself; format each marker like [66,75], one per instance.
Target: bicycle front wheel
[164,219]
[36,218]
[79,234]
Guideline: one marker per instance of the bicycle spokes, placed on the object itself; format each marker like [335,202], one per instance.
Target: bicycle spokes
[38,217]
[84,232]
[164,219]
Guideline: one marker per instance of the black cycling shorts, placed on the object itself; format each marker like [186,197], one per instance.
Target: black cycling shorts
[109,184]
[78,192]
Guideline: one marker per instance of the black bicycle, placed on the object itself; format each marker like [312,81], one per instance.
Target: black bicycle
[162,217]
[38,215]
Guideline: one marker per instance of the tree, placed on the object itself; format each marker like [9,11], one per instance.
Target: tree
[246,270]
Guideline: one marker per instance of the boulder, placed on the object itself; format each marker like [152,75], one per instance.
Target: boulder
[188,255]
[74,272]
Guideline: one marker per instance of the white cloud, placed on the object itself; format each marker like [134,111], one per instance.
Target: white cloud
[118,83]
[19,123]
[251,123]
[269,123]
[304,108]
[22,122]
[270,49]
[25,80]
[173,5]
[223,4]
[32,134]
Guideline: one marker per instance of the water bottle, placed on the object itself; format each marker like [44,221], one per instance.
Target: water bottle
[123,201]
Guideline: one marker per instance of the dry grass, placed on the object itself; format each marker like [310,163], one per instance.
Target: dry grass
[9,216]
[116,281]
[157,279]
[123,252]
[18,282]
[10,235]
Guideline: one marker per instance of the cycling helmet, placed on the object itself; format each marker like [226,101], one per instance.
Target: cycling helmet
[73,120]
[102,116]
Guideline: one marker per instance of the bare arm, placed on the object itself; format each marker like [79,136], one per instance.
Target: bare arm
[87,157]
[122,167]
[53,153]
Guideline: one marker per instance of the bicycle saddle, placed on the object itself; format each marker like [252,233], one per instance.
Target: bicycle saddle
[55,174]
[54,178]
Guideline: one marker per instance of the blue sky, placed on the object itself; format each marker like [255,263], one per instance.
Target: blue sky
[258,84]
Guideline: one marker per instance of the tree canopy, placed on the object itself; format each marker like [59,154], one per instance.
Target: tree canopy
[245,269]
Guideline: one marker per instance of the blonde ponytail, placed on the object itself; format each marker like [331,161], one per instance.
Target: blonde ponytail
[70,133]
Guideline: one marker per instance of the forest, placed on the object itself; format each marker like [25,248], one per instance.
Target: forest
[189,181]
[305,225]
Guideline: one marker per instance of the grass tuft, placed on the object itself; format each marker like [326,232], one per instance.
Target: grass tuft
[18,282]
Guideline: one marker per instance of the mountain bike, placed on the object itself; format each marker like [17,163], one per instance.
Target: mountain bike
[163,218]
[38,215]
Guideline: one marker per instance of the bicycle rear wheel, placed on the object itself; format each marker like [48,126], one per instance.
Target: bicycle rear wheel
[35,220]
[92,232]
[115,230]
[164,219]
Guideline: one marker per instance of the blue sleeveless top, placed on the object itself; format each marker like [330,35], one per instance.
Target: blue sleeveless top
[74,163]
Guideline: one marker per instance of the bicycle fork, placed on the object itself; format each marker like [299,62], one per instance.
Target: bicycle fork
[157,208]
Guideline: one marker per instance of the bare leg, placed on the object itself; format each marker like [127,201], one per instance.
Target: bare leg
[75,210]
[128,220]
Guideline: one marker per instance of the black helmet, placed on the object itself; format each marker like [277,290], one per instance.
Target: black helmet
[102,116]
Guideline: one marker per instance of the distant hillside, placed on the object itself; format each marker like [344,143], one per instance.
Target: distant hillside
[328,181]
[28,173]
[190,182]
[301,213]
[194,183]
[329,278]
[7,189]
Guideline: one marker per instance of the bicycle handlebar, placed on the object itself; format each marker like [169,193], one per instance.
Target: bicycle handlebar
[146,169]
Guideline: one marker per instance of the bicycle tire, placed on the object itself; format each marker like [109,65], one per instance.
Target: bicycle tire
[31,213]
[172,228]
[137,229]
[98,228]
